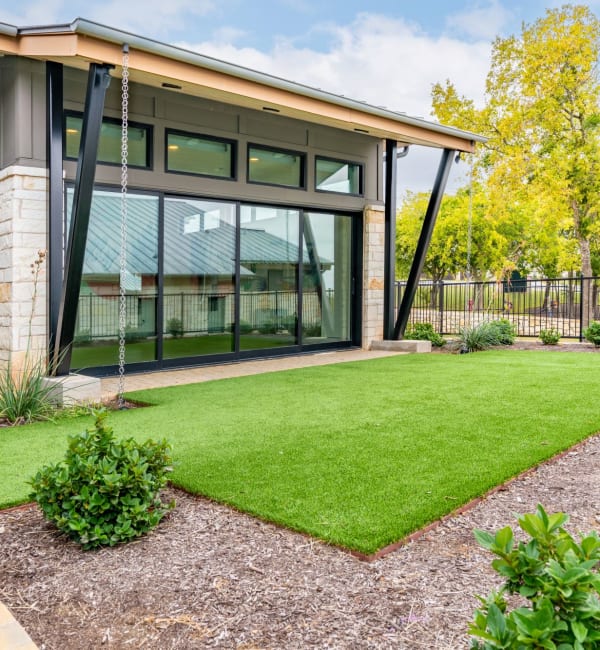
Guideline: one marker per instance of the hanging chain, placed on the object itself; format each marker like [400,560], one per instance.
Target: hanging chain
[123,255]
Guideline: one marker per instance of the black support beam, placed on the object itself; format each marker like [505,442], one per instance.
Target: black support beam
[98,81]
[389,279]
[54,148]
[423,244]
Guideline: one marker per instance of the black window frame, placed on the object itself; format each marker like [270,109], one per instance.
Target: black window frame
[263,147]
[361,179]
[202,136]
[149,128]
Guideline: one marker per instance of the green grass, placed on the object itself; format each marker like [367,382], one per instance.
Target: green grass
[107,353]
[358,454]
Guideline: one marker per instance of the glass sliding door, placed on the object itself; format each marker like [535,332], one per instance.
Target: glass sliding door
[269,257]
[326,278]
[97,325]
[199,277]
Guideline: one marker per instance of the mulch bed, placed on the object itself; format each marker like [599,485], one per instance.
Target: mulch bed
[211,577]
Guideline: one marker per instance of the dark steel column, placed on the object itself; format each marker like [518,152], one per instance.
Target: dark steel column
[424,238]
[389,277]
[54,155]
[98,81]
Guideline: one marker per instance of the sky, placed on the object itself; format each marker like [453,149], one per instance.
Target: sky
[385,52]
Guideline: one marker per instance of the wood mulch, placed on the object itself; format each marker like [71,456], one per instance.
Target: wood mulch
[211,577]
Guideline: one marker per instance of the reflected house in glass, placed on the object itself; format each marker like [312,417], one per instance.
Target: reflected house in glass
[258,219]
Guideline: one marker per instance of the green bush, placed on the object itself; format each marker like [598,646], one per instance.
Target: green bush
[83,337]
[550,336]
[175,327]
[477,338]
[486,335]
[424,332]
[555,574]
[105,491]
[504,331]
[592,333]
[268,327]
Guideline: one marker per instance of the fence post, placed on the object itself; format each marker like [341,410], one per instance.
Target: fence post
[581,290]
[441,307]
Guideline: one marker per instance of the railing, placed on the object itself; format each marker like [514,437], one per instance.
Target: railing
[193,313]
[565,304]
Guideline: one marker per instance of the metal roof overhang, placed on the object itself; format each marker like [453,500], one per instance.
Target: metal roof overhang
[154,64]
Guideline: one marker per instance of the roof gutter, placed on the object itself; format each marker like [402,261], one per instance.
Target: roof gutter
[102,32]
[8,30]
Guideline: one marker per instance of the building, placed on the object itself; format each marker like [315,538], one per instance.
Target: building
[255,215]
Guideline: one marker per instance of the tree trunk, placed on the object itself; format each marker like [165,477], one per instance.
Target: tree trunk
[586,282]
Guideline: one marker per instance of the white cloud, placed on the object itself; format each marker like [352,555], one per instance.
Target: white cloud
[156,17]
[480,22]
[40,12]
[375,59]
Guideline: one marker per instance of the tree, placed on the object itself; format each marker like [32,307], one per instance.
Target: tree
[542,118]
[448,249]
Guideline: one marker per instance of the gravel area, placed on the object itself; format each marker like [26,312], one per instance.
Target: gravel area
[210,577]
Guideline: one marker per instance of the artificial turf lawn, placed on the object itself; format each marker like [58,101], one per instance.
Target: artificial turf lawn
[359,454]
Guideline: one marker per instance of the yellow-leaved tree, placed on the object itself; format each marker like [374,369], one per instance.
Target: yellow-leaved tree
[542,118]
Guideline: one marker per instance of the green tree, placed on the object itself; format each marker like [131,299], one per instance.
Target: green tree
[449,246]
[542,118]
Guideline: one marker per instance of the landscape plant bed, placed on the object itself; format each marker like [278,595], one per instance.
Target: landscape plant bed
[357,454]
[211,577]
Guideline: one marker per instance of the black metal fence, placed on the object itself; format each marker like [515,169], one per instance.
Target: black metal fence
[193,313]
[565,304]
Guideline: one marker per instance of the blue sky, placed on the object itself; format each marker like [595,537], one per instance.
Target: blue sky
[386,52]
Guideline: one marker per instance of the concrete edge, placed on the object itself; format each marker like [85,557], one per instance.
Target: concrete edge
[405,345]
[12,635]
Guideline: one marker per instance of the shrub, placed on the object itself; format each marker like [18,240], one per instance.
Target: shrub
[504,331]
[83,337]
[424,332]
[105,491]
[479,337]
[592,333]
[268,327]
[550,336]
[175,327]
[555,574]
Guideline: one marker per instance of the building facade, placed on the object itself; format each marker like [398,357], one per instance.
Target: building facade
[251,220]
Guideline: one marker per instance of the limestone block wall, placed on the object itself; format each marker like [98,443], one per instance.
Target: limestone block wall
[23,234]
[373,274]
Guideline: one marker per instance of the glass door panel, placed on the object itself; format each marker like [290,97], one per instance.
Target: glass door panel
[326,278]
[269,255]
[96,337]
[199,278]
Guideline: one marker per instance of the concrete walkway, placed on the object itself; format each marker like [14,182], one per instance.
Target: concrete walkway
[162,378]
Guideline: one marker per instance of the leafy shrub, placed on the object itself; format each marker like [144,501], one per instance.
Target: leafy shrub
[105,491]
[504,331]
[175,327]
[555,574]
[592,333]
[83,337]
[424,332]
[550,336]
[312,330]
[268,327]
[245,327]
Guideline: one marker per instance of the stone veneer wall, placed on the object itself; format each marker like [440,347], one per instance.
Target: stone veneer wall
[23,233]
[373,275]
